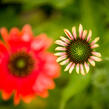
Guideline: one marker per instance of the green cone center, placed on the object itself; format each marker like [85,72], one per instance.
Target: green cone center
[79,51]
[21,64]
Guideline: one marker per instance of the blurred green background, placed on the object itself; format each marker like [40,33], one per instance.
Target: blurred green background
[51,17]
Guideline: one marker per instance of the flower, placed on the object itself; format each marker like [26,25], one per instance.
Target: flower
[77,51]
[26,68]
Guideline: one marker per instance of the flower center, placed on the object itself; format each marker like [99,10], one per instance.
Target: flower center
[21,64]
[79,51]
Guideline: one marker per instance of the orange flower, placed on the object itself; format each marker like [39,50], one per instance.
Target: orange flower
[26,68]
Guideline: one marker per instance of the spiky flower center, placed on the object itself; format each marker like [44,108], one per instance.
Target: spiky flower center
[78,51]
[21,64]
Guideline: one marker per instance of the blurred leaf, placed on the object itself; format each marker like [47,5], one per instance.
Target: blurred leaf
[8,18]
[31,4]
[76,84]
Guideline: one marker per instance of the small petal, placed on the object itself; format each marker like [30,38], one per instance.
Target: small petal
[82,69]
[96,58]
[64,39]
[64,62]
[91,62]
[84,34]
[72,67]
[77,68]
[61,58]
[42,83]
[59,42]
[96,54]
[80,30]
[89,35]
[95,40]
[60,54]
[95,46]
[86,67]
[16,99]
[44,94]
[3,49]
[41,42]
[27,29]
[5,95]
[60,49]
[4,33]
[69,35]
[68,66]
[14,32]
[27,99]
[26,37]
[51,67]
[27,34]
[74,32]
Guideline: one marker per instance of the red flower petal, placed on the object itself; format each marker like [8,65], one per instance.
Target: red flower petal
[27,99]
[43,83]
[4,33]
[40,78]
[26,33]
[5,95]
[16,99]
[51,67]
[40,43]
[43,94]
[14,33]
[3,49]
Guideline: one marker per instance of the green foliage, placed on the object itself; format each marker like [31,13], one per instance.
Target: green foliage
[76,84]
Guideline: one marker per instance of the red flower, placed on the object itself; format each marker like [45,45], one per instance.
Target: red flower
[26,68]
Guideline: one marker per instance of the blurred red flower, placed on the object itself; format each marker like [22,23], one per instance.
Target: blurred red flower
[26,68]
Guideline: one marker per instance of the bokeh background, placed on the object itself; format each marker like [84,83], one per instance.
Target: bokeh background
[51,17]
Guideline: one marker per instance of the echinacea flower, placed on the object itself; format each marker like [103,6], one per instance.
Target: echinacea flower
[77,51]
[26,68]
